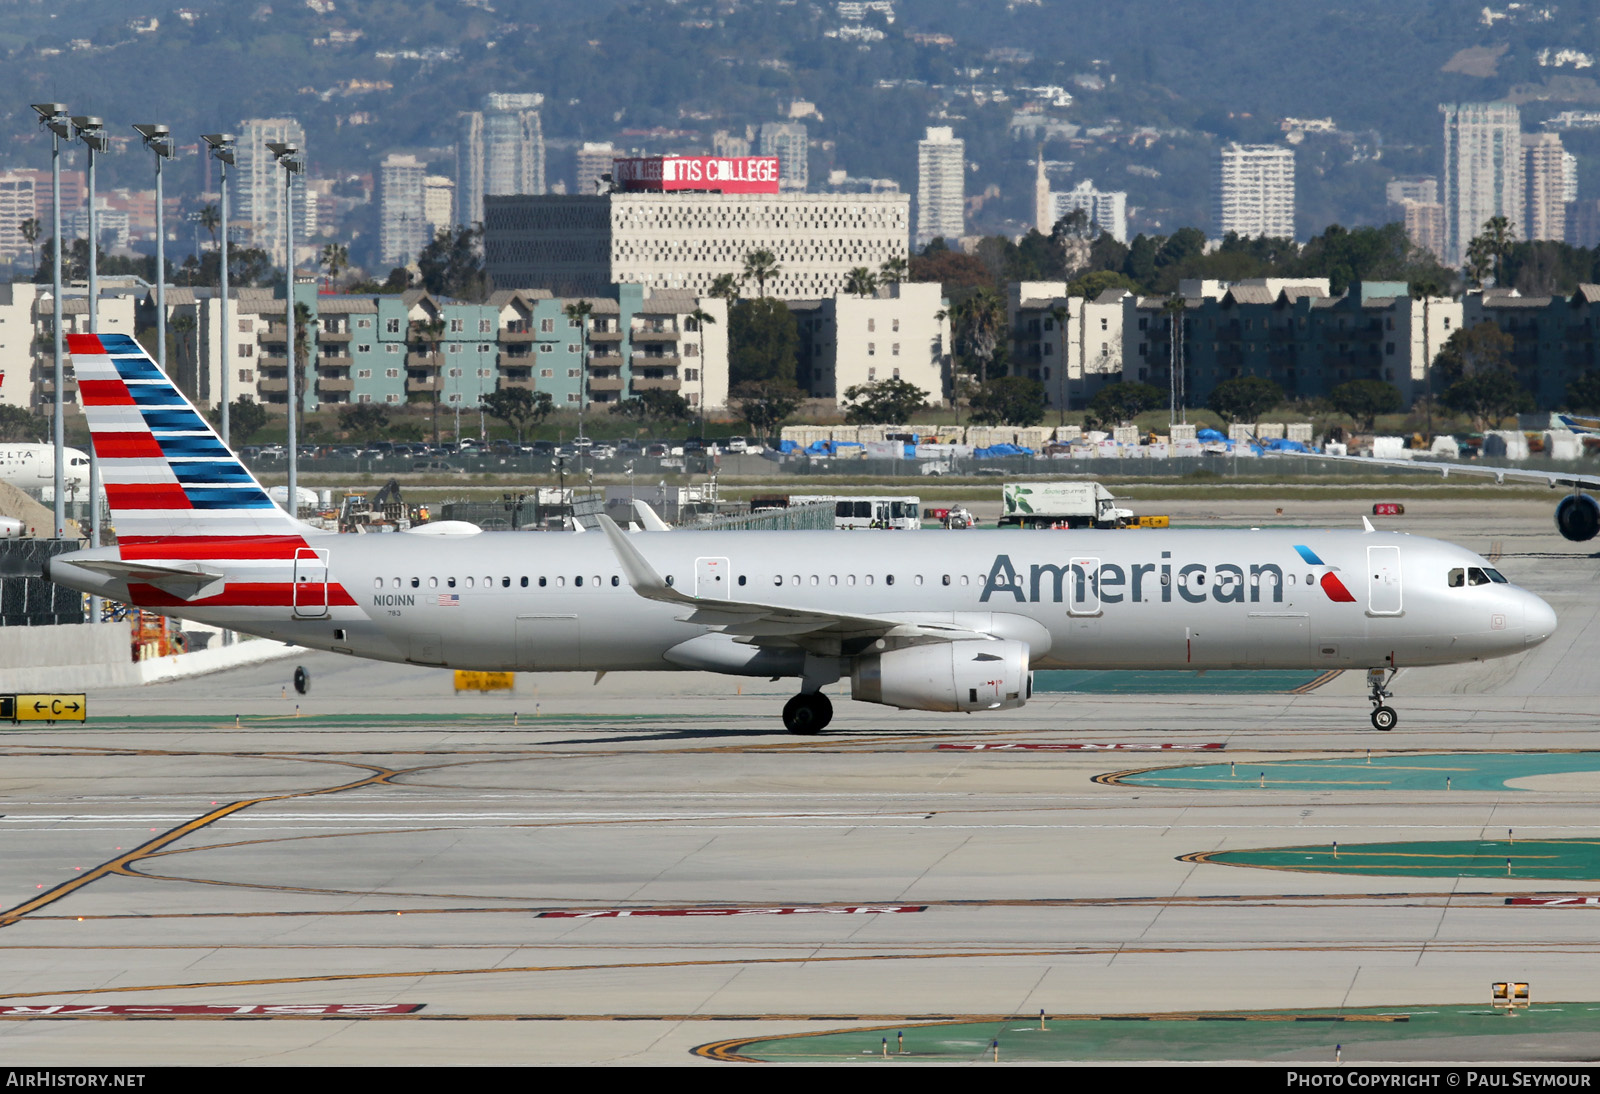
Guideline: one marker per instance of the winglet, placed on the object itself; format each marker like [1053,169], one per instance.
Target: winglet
[649,519]
[641,575]
[1366,525]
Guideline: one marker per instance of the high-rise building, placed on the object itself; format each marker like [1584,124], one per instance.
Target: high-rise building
[438,203]
[594,159]
[469,167]
[1544,184]
[1106,208]
[1255,191]
[725,143]
[1415,203]
[499,150]
[941,186]
[258,185]
[1482,172]
[402,210]
[513,144]
[1423,188]
[16,206]
[789,142]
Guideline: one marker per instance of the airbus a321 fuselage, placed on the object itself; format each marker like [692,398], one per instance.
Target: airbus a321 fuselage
[916,621]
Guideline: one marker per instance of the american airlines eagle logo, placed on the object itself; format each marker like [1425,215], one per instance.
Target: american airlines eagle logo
[1330,582]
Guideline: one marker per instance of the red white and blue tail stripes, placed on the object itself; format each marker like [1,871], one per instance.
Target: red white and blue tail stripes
[166,471]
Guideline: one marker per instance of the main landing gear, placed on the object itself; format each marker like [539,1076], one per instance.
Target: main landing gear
[1383,717]
[807,713]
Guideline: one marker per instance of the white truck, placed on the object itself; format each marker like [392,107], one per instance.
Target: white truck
[1061,505]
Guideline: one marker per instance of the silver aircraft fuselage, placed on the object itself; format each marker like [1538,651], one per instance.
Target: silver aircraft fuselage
[1145,599]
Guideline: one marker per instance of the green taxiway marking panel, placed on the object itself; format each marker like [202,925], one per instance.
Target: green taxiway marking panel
[1302,1035]
[1134,681]
[1539,859]
[1464,771]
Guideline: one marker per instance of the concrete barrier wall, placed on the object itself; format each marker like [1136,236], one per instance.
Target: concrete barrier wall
[90,656]
[70,657]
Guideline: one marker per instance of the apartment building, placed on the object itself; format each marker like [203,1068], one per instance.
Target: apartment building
[902,332]
[1070,345]
[1294,334]
[27,335]
[415,348]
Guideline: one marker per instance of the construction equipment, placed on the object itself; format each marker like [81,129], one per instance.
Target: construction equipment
[385,512]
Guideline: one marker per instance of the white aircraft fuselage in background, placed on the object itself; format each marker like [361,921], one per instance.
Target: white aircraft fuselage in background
[918,620]
[32,466]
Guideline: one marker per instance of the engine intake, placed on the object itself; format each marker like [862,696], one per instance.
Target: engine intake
[967,675]
[1578,517]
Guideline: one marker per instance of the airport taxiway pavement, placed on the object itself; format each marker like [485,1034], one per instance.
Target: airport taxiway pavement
[535,868]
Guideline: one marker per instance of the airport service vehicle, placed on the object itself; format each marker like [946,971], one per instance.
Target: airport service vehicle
[1060,505]
[931,622]
[898,512]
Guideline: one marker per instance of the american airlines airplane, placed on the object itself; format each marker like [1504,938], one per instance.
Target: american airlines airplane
[917,621]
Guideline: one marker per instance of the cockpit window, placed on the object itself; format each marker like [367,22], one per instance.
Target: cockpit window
[1474,575]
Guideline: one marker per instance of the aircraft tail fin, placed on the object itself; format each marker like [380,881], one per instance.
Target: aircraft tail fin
[166,471]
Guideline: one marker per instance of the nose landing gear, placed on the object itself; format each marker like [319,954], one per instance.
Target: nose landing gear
[1383,717]
[807,713]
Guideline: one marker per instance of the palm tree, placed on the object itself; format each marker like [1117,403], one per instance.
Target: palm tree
[579,312]
[975,323]
[861,281]
[1426,289]
[335,256]
[1059,313]
[979,318]
[893,271]
[761,265]
[726,287]
[700,318]
[181,330]
[30,232]
[427,335]
[1497,237]
[1174,308]
[210,220]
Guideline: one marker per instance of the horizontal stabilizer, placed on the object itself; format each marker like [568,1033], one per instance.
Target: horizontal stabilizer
[189,582]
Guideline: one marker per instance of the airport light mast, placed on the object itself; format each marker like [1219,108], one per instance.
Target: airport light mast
[54,117]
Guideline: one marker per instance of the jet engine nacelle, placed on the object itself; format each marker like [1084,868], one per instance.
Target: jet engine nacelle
[972,674]
[1578,517]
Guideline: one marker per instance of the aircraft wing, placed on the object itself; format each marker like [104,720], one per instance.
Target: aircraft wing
[187,582]
[1552,479]
[764,624]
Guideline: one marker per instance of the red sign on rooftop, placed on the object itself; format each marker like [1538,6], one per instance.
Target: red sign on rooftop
[728,174]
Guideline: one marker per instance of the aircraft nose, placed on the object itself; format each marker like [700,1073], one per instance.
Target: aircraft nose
[1538,621]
